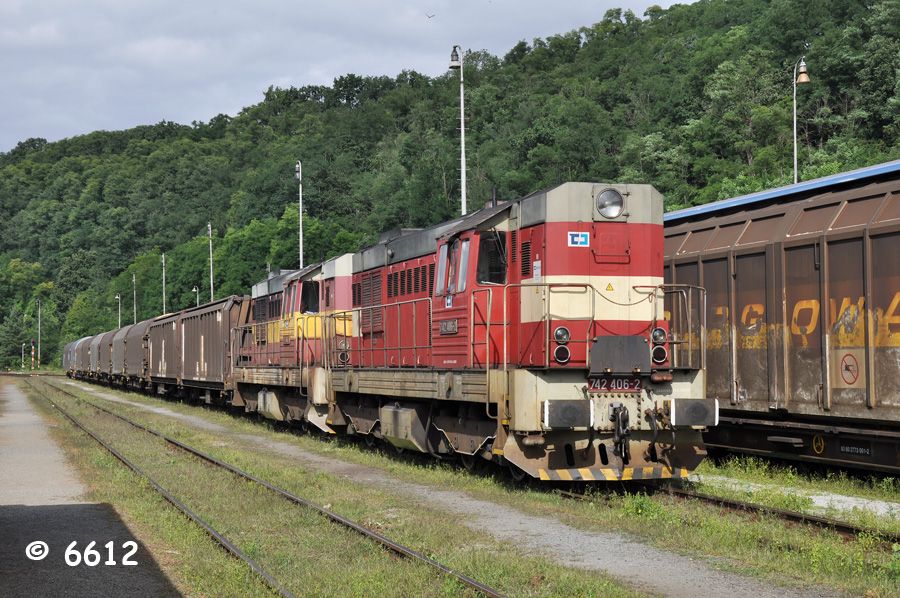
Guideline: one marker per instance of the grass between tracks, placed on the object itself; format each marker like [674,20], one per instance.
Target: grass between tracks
[764,547]
[310,555]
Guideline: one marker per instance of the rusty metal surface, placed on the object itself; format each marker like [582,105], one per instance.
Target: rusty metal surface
[163,353]
[135,356]
[118,351]
[104,361]
[803,305]
[206,339]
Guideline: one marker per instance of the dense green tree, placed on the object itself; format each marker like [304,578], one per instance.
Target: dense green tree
[694,99]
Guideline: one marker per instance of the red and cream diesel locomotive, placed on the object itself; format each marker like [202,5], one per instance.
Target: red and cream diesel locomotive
[536,333]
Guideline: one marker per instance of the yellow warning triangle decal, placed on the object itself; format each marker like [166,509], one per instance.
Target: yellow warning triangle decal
[609,287]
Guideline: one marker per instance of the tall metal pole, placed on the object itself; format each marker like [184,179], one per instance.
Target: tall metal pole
[211,294]
[298,174]
[23,356]
[164,282]
[119,300]
[39,333]
[804,78]
[457,59]
[197,293]
[134,301]
[462,128]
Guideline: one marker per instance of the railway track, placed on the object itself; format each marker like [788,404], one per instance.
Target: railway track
[848,530]
[228,545]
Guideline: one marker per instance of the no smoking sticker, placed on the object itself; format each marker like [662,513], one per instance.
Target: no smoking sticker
[849,369]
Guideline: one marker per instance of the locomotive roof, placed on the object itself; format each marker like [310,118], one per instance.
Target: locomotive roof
[398,246]
[788,192]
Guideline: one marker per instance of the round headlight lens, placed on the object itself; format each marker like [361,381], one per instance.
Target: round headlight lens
[561,335]
[610,203]
[659,354]
[658,336]
[561,354]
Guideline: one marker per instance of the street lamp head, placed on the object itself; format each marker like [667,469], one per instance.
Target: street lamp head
[298,171]
[802,74]
[118,297]
[454,59]
[195,289]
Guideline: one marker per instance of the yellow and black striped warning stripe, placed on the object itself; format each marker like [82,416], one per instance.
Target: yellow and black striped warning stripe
[609,474]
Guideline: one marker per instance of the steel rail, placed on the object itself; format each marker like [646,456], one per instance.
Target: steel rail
[395,547]
[220,538]
[841,527]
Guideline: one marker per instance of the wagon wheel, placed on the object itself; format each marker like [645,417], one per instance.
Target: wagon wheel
[517,475]
[469,462]
[370,440]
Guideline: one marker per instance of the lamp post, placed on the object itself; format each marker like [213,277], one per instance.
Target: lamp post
[298,174]
[197,293]
[164,281]
[39,333]
[23,356]
[456,62]
[119,300]
[800,76]
[134,301]
[209,231]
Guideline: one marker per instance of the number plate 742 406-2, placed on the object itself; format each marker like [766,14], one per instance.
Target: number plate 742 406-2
[615,384]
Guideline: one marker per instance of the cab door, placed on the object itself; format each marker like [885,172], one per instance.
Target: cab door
[450,304]
[491,270]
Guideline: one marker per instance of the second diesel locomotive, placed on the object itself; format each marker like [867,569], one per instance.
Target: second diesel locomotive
[536,333]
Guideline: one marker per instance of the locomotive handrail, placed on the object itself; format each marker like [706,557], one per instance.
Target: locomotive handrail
[360,331]
[686,292]
[487,347]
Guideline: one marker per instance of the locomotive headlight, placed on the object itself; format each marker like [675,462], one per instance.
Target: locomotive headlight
[658,336]
[610,203]
[561,335]
[561,354]
[659,354]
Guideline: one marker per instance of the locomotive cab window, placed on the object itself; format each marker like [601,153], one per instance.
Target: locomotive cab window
[441,272]
[491,257]
[458,263]
[309,297]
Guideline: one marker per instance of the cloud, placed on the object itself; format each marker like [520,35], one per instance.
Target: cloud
[37,34]
[71,68]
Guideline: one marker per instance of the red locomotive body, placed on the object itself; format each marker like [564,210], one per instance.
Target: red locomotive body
[537,332]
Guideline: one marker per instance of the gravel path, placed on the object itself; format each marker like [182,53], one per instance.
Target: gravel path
[640,565]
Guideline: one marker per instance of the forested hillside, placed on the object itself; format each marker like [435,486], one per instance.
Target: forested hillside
[695,99]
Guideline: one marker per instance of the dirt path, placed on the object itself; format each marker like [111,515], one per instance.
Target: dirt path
[647,568]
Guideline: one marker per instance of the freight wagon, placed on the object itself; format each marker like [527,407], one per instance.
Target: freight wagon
[803,316]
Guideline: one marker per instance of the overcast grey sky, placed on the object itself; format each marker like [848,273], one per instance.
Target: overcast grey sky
[73,67]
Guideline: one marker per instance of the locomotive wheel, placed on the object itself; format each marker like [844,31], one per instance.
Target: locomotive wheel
[470,462]
[515,473]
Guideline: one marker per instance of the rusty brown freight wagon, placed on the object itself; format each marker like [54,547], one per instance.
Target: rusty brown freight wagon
[803,316]
[83,355]
[104,358]
[164,357]
[206,364]
[136,356]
